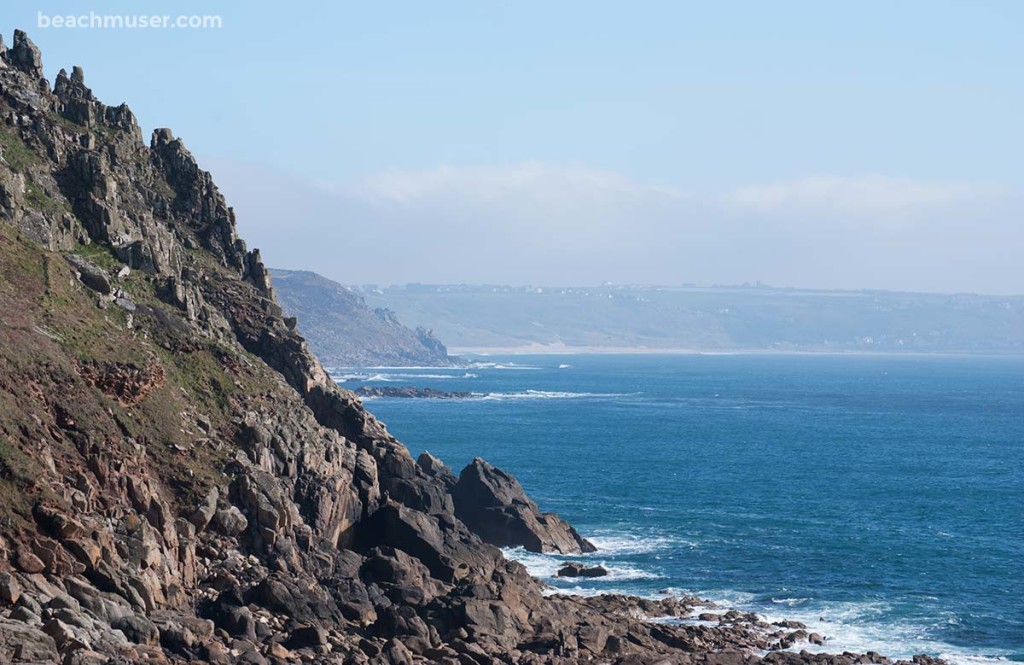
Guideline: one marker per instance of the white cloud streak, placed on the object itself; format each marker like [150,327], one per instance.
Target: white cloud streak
[542,223]
[869,196]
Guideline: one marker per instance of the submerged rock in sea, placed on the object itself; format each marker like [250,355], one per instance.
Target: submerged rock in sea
[573,569]
[411,392]
[494,506]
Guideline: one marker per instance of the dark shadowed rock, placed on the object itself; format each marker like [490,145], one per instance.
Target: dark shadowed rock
[494,506]
[307,636]
[579,570]
[92,276]
[24,55]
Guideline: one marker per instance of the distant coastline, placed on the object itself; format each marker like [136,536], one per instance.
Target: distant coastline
[564,350]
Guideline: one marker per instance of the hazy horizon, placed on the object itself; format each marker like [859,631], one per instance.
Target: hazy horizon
[639,285]
[834,146]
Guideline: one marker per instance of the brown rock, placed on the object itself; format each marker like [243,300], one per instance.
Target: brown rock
[579,570]
[494,506]
[10,590]
[27,561]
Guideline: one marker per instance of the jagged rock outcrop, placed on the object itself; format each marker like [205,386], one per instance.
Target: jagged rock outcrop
[493,504]
[181,482]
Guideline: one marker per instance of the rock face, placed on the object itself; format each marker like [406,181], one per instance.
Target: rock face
[181,482]
[493,504]
[344,331]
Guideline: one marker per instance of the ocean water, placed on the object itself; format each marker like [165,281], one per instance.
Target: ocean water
[878,499]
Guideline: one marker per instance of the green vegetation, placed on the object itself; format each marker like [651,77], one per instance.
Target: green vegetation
[17,155]
[101,255]
[37,197]
[18,471]
[70,125]
[49,326]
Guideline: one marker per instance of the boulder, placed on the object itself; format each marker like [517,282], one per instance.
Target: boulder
[202,515]
[231,521]
[10,590]
[92,276]
[138,629]
[20,642]
[494,506]
[579,570]
[307,636]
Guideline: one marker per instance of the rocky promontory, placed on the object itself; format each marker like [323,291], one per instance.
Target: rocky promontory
[343,331]
[182,482]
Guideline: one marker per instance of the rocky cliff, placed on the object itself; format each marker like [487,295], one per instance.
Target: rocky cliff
[343,331]
[182,482]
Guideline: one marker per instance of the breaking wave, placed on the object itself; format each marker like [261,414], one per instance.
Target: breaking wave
[396,377]
[548,394]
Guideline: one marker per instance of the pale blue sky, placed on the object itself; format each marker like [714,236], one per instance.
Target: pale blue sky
[467,117]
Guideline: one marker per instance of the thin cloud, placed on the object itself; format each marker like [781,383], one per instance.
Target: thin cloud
[532,181]
[548,224]
[868,195]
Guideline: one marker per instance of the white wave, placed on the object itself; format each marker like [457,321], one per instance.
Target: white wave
[854,627]
[489,365]
[383,377]
[351,376]
[619,573]
[365,378]
[564,366]
[628,544]
[546,567]
[728,598]
[857,627]
[861,627]
[399,377]
[962,658]
[539,565]
[585,592]
[549,394]
[408,367]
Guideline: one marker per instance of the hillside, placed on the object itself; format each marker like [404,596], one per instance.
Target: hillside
[343,331]
[471,317]
[183,483]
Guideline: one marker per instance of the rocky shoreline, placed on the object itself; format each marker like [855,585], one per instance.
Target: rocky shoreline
[182,482]
[412,392]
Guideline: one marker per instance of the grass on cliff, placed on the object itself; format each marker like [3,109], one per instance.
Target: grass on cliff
[49,325]
[37,197]
[15,152]
[100,255]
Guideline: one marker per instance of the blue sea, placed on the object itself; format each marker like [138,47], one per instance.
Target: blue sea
[878,499]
